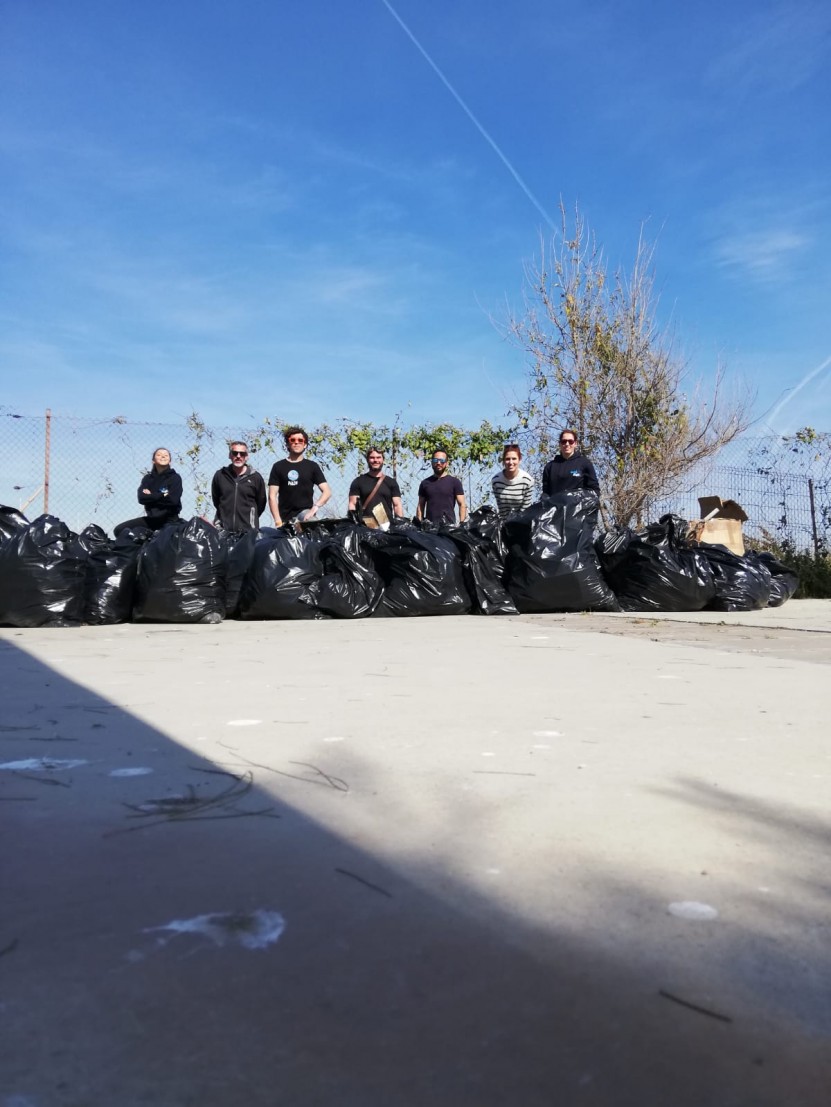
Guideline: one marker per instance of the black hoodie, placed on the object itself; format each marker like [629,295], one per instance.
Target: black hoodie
[164,501]
[239,501]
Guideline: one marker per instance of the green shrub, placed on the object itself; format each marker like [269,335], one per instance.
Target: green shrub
[814,572]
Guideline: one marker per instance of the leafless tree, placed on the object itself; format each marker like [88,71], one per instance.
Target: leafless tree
[601,363]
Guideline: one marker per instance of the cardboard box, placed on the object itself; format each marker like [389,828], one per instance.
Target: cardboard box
[720,523]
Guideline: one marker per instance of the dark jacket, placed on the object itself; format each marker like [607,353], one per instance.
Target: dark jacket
[239,501]
[560,475]
[164,502]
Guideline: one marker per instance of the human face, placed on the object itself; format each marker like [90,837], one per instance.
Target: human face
[568,444]
[375,461]
[296,443]
[161,458]
[510,463]
[238,455]
[439,463]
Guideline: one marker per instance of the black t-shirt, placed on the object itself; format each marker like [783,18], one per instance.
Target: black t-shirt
[439,494]
[296,482]
[362,487]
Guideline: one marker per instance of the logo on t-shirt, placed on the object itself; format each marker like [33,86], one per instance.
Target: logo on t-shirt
[294,476]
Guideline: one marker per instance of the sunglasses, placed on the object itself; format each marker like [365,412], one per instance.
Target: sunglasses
[567,441]
[297,438]
[239,453]
[438,461]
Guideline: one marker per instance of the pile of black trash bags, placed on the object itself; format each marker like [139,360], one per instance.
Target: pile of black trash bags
[542,559]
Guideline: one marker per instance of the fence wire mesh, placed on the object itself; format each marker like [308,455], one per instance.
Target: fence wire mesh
[88,470]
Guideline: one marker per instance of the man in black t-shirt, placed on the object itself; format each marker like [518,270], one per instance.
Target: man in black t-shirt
[374,489]
[439,495]
[291,483]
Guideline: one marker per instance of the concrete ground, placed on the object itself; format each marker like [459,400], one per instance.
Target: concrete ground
[543,860]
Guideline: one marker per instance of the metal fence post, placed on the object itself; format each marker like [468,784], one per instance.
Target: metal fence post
[46,459]
[813,517]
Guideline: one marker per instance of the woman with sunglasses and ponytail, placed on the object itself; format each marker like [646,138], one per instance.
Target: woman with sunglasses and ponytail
[569,470]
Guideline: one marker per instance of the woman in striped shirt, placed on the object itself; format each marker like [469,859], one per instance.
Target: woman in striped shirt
[513,488]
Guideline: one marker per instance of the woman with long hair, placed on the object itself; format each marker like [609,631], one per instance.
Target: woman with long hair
[513,488]
[160,492]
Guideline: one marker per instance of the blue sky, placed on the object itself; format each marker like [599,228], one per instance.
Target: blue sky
[258,209]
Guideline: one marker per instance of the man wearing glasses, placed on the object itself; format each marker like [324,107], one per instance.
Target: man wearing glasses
[238,492]
[292,482]
[569,470]
[440,494]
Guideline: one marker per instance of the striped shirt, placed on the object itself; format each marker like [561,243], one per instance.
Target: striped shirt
[512,495]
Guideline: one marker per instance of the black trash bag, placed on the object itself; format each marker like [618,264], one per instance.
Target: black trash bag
[11,521]
[110,579]
[483,555]
[240,549]
[421,571]
[282,578]
[784,580]
[42,569]
[181,575]
[552,565]
[350,587]
[742,584]
[654,570]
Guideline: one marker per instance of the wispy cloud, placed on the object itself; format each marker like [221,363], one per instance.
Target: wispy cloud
[774,51]
[767,254]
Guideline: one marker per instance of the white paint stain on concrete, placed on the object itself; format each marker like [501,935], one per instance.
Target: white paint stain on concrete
[546,734]
[244,722]
[42,765]
[255,930]
[693,910]
[487,753]
[334,738]
[138,770]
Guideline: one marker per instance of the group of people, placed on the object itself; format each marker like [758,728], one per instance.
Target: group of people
[239,493]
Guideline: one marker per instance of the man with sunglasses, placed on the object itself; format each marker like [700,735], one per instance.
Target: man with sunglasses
[569,470]
[292,482]
[238,492]
[440,494]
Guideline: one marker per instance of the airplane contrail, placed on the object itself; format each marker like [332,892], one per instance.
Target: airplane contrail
[469,114]
[806,380]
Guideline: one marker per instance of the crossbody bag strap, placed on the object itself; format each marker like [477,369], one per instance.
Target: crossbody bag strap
[371,496]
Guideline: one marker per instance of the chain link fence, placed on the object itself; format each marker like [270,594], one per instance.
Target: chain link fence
[88,470]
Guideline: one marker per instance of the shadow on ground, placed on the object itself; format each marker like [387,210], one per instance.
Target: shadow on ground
[385,987]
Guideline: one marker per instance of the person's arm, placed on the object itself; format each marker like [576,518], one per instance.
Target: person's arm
[325,497]
[546,480]
[422,502]
[215,493]
[528,493]
[590,480]
[397,507]
[352,504]
[259,492]
[460,500]
[273,503]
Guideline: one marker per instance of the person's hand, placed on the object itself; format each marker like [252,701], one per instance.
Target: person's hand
[145,491]
[312,511]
